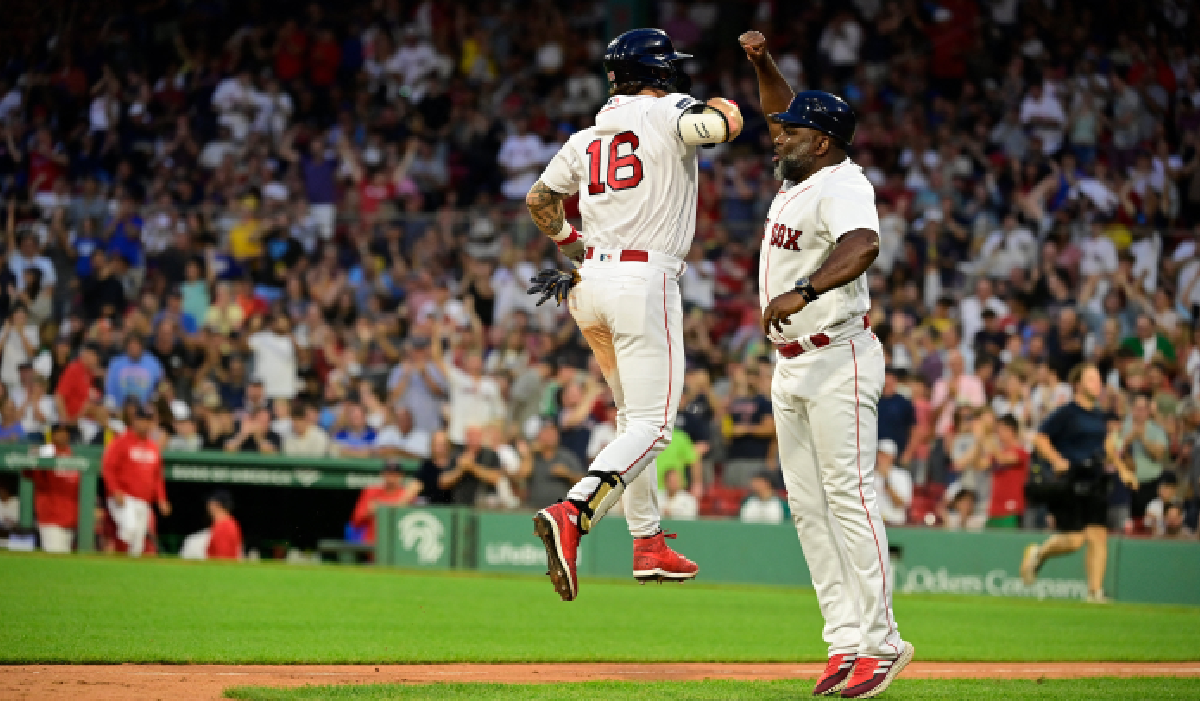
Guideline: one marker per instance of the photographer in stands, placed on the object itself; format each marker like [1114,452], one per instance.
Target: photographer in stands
[1074,442]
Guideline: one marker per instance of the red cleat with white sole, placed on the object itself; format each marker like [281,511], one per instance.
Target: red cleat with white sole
[833,679]
[872,675]
[557,526]
[653,561]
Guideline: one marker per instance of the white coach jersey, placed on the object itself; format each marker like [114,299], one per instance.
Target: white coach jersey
[635,177]
[804,224]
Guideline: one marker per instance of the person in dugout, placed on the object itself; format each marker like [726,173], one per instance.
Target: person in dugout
[132,470]
[56,496]
[225,536]
[394,490]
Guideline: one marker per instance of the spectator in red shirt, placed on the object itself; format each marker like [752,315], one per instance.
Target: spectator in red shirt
[1010,465]
[76,387]
[252,305]
[225,538]
[290,47]
[392,492]
[324,59]
[952,36]
[56,497]
[132,469]
[47,162]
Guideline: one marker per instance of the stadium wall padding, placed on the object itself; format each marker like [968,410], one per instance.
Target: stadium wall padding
[922,560]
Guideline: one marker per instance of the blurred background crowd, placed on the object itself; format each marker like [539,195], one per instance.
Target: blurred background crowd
[299,229]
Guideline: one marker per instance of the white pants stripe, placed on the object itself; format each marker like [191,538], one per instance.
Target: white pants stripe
[825,414]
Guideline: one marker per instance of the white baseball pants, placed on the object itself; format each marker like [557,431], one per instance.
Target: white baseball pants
[825,413]
[631,314]
[133,523]
[56,539]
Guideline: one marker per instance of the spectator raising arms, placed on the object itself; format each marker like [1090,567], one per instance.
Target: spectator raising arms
[475,399]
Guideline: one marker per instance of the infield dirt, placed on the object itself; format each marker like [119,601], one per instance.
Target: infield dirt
[169,682]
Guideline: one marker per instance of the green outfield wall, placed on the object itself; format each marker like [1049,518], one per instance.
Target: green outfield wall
[922,560]
[925,561]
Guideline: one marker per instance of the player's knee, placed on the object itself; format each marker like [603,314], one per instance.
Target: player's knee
[656,436]
[664,436]
[843,490]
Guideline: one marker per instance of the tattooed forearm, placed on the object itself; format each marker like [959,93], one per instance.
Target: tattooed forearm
[545,206]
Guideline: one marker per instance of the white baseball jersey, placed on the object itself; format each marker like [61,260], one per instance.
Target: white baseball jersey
[825,408]
[804,224]
[635,177]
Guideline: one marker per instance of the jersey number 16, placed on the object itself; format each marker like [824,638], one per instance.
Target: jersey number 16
[615,162]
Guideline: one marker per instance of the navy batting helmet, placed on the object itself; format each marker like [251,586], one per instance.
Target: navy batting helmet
[828,114]
[646,57]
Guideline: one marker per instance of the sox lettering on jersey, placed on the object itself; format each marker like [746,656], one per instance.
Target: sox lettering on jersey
[784,237]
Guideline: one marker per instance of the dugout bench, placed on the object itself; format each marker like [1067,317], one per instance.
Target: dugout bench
[216,468]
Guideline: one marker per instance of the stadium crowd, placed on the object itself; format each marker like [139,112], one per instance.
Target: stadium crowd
[299,230]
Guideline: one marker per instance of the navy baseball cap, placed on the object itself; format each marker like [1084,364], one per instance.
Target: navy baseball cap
[825,112]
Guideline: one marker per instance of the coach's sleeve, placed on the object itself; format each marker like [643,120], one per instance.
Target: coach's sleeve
[565,171]
[846,209]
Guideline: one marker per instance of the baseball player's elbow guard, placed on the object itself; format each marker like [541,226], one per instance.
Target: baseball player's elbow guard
[705,125]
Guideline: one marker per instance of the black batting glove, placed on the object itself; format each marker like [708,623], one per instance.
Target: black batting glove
[553,283]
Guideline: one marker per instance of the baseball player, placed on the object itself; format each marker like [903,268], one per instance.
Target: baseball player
[821,236]
[635,172]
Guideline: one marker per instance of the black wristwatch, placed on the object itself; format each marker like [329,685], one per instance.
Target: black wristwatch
[806,290]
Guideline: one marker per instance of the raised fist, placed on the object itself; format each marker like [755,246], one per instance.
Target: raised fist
[755,45]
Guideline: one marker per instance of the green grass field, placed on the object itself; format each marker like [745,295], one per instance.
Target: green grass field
[1080,689]
[106,610]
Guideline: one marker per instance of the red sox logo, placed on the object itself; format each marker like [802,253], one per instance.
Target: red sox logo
[785,237]
[143,455]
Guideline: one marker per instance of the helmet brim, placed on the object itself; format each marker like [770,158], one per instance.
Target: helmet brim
[788,120]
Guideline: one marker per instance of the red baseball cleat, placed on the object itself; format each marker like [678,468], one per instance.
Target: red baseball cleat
[557,526]
[653,560]
[872,675]
[833,679]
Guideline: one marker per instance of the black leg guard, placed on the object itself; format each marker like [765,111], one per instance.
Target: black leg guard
[607,493]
